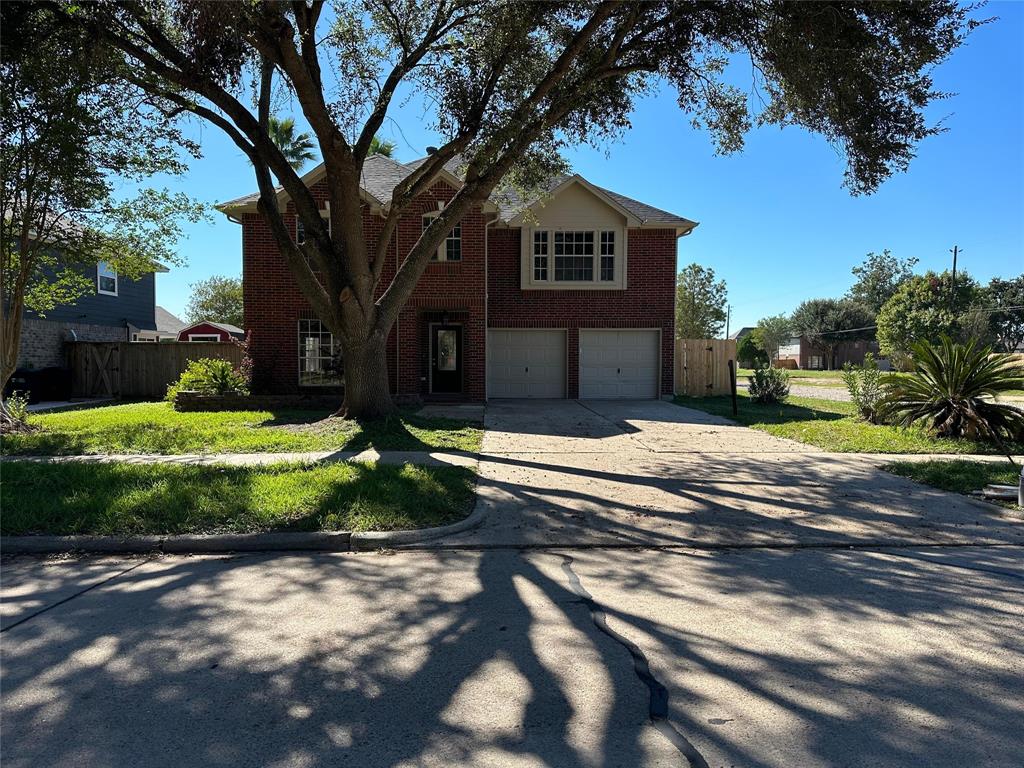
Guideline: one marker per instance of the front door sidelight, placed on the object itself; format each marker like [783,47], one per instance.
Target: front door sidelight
[446,359]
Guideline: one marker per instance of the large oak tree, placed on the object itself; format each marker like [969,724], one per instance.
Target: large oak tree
[512,82]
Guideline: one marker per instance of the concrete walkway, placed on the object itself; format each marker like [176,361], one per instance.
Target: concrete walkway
[426,458]
[650,473]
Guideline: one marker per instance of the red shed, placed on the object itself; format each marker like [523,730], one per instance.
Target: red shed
[208,331]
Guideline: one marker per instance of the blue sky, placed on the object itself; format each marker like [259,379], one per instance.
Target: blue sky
[775,222]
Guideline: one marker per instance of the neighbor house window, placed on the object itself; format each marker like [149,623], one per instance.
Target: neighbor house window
[607,255]
[540,255]
[814,362]
[203,337]
[318,358]
[106,279]
[451,248]
[574,256]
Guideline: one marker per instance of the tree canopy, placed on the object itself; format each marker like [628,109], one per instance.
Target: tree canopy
[1004,301]
[513,83]
[925,308]
[771,333]
[700,303]
[878,278]
[827,323]
[74,133]
[218,299]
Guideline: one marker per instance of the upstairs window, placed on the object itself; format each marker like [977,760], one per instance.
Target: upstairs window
[540,255]
[106,279]
[574,256]
[451,248]
[607,256]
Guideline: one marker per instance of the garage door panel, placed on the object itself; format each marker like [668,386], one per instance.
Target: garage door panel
[619,364]
[526,364]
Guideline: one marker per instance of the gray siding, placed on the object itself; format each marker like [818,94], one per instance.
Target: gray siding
[135,303]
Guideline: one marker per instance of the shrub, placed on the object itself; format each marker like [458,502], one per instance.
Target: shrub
[769,385]
[14,414]
[209,376]
[867,387]
[951,392]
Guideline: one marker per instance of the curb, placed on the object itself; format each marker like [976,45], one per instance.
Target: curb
[365,541]
[323,541]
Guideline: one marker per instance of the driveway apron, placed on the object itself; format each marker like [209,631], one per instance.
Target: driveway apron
[651,473]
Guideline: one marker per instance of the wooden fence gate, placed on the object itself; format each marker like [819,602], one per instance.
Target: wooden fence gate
[136,369]
[702,366]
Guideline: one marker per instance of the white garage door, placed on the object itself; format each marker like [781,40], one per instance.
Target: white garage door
[526,363]
[619,364]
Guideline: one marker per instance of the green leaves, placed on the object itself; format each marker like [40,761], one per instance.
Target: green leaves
[700,303]
[952,391]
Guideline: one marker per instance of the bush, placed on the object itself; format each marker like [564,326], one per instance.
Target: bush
[769,385]
[209,376]
[952,392]
[867,387]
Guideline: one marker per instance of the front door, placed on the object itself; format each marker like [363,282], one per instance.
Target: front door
[446,359]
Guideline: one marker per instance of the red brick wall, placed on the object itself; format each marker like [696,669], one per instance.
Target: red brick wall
[465,292]
[274,303]
[647,302]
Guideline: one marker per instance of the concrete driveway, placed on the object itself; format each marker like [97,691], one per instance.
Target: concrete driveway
[651,473]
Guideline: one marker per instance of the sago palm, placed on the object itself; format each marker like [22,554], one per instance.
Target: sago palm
[952,392]
[297,149]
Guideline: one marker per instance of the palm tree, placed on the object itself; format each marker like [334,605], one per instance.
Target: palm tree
[952,391]
[379,146]
[297,150]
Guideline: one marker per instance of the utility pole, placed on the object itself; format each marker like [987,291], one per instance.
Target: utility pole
[728,316]
[952,282]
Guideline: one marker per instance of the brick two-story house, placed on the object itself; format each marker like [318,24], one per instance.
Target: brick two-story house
[571,295]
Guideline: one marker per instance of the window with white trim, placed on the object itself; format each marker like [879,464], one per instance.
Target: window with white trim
[203,337]
[578,257]
[574,256]
[607,255]
[451,248]
[540,255]
[106,279]
[319,357]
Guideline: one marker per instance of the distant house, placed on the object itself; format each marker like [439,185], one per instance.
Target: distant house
[167,327]
[116,309]
[741,333]
[210,331]
[808,357]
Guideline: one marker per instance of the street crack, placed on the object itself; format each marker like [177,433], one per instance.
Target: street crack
[657,706]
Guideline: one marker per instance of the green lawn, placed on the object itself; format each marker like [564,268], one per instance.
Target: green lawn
[75,498]
[959,476]
[797,374]
[158,428]
[833,426]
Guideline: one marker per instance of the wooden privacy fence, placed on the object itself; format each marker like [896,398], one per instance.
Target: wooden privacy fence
[134,369]
[702,366]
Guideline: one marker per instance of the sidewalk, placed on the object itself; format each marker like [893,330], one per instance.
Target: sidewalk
[425,458]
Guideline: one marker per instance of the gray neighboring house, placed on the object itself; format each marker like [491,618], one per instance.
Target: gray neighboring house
[116,309]
[167,327]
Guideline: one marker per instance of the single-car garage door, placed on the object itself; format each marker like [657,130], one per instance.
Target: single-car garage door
[526,363]
[619,364]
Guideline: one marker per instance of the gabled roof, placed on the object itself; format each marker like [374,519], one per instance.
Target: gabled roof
[382,174]
[234,330]
[166,322]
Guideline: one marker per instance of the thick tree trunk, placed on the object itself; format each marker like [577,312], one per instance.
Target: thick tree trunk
[366,380]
